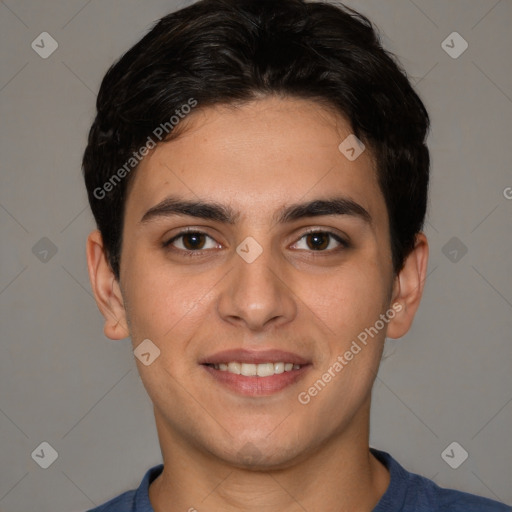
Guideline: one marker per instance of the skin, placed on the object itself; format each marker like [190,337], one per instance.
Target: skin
[258,158]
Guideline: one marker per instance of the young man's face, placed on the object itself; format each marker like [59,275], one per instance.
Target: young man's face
[260,283]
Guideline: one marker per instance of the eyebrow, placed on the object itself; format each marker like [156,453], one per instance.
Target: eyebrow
[173,205]
[320,207]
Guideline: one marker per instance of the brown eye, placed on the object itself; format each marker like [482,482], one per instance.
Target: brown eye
[317,241]
[193,241]
[190,241]
[321,241]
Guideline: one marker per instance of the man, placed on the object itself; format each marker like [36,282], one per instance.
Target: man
[258,174]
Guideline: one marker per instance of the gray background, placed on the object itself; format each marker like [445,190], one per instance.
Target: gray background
[63,382]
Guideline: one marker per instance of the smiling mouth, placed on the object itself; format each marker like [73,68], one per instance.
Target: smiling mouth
[255,370]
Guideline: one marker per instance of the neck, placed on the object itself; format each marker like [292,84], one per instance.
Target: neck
[339,475]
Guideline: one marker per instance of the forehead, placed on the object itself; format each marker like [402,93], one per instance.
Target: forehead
[259,155]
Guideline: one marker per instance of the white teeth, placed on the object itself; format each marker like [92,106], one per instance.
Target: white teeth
[234,368]
[278,367]
[253,370]
[249,370]
[265,370]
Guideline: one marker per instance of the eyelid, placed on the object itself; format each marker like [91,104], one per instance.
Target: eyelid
[341,239]
[187,231]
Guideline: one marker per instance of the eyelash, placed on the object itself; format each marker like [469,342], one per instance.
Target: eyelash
[199,252]
[343,243]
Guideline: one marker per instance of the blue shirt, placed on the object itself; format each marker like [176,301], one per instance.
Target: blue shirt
[407,492]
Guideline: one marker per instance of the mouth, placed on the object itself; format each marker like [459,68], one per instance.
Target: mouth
[255,370]
[256,373]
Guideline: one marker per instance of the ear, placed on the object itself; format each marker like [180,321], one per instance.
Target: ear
[106,288]
[408,288]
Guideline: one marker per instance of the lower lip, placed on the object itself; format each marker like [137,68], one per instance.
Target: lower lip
[257,386]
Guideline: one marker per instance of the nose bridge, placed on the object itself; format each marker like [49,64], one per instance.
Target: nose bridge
[255,292]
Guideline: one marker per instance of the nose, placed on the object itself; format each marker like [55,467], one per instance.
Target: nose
[257,294]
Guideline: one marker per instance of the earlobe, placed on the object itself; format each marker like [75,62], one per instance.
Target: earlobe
[106,288]
[408,288]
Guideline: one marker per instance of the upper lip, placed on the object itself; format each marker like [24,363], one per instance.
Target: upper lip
[254,357]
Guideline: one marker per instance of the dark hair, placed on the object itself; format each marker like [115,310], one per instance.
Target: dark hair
[232,51]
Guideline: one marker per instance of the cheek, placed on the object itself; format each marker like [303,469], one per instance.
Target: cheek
[162,301]
[350,299]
